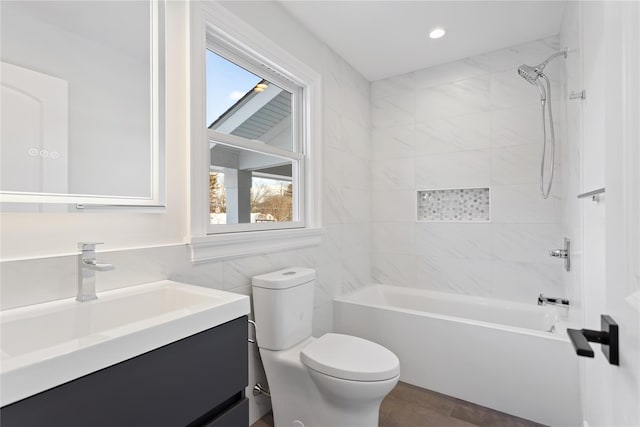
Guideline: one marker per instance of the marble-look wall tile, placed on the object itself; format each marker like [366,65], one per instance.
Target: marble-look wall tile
[332,208]
[404,83]
[329,278]
[355,239]
[332,79]
[393,111]
[208,275]
[332,129]
[571,157]
[355,139]
[355,96]
[459,133]
[356,271]
[453,99]
[517,164]
[394,269]
[394,237]
[476,124]
[523,204]
[355,173]
[516,125]
[531,53]
[453,170]
[354,203]
[393,206]
[508,89]
[452,71]
[526,242]
[452,240]
[457,275]
[38,280]
[322,320]
[390,174]
[524,281]
[393,142]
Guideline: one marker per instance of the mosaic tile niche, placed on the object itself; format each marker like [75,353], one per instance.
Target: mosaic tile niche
[460,204]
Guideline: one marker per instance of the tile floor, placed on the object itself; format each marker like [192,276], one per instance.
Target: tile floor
[411,406]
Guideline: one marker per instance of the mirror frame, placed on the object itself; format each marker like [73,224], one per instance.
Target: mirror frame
[158,162]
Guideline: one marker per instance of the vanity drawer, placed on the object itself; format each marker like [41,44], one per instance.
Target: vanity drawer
[236,416]
[203,375]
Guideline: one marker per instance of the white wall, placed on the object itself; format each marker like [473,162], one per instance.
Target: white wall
[469,123]
[147,245]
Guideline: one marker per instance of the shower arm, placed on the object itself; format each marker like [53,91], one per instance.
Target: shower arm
[562,53]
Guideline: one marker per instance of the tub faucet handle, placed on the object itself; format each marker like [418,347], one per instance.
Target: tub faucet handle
[564,254]
[558,253]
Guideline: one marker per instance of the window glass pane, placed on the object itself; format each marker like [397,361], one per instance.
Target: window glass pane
[242,104]
[250,187]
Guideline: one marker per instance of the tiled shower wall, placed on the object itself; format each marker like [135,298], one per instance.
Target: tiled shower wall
[469,123]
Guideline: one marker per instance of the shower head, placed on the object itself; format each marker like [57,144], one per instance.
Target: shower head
[529,73]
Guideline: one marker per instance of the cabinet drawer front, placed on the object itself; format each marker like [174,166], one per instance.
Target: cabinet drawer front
[170,386]
[237,416]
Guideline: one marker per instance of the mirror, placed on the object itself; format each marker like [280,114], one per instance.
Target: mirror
[82,102]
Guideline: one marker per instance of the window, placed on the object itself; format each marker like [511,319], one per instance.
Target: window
[256,153]
[256,137]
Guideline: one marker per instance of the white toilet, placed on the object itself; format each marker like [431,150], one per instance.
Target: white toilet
[335,380]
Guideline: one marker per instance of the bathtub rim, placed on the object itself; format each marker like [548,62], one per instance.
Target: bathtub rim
[558,334]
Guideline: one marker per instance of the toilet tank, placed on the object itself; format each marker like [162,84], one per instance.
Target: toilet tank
[283,307]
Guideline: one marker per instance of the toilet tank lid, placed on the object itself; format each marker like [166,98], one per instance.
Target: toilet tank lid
[283,279]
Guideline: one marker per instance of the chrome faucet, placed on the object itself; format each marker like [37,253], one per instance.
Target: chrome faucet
[542,300]
[87,267]
[564,254]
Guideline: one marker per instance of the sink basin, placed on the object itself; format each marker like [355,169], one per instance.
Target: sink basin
[45,345]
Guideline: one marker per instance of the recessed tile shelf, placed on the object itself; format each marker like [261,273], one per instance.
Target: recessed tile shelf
[454,205]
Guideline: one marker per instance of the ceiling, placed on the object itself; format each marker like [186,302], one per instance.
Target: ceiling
[388,38]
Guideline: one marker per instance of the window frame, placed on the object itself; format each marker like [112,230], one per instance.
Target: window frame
[214,27]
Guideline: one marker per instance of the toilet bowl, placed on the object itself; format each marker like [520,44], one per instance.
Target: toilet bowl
[334,380]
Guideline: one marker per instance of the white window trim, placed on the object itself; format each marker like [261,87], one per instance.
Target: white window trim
[213,19]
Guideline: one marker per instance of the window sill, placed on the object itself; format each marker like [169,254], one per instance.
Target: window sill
[219,247]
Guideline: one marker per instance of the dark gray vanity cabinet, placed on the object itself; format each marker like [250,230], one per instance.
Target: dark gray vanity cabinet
[197,381]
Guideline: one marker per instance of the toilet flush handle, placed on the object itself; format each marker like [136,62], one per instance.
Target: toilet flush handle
[255,329]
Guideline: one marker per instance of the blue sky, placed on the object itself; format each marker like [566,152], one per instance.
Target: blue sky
[226,83]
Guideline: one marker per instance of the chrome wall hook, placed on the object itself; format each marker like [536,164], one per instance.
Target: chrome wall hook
[578,95]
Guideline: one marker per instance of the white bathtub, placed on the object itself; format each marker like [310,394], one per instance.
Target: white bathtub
[494,353]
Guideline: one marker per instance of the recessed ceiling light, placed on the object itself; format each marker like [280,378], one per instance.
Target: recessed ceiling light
[437,33]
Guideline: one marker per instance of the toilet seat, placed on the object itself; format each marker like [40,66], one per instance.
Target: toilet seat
[350,358]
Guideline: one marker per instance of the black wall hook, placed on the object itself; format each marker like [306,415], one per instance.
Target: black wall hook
[607,337]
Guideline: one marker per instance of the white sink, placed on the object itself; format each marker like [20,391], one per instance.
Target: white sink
[48,344]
